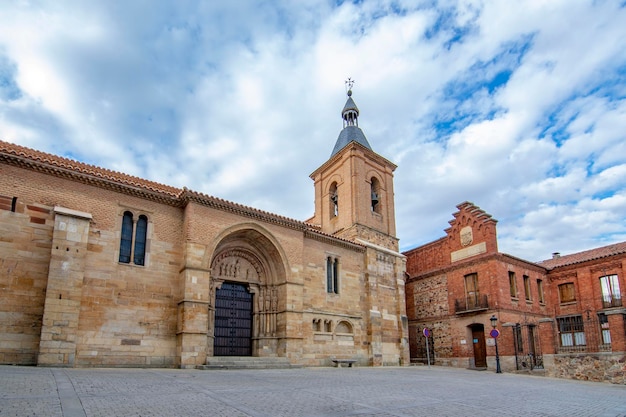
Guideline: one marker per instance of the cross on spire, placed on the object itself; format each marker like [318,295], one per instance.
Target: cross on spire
[349,83]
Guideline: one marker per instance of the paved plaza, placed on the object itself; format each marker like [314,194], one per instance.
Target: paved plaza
[393,391]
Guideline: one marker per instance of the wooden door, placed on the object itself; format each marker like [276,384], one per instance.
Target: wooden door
[480,350]
[233,321]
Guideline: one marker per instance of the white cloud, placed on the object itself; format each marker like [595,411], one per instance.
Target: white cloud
[242,100]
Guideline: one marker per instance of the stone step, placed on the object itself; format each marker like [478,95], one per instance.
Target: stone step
[246,362]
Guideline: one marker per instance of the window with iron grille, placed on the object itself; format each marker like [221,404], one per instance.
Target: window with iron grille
[604,328]
[572,331]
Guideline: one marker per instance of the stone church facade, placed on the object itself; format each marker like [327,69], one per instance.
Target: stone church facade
[99,268]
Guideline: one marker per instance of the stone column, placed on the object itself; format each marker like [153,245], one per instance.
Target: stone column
[57,346]
[374,321]
[193,325]
[403,325]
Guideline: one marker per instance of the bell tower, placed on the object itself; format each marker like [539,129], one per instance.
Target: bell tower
[354,196]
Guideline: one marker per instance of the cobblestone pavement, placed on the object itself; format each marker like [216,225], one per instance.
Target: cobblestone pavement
[401,391]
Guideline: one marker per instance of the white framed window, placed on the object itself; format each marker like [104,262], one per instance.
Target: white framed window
[611,295]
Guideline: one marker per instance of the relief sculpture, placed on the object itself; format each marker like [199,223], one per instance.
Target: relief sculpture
[237,265]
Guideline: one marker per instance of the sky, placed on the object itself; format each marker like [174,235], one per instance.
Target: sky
[518,107]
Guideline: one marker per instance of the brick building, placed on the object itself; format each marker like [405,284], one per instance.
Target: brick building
[98,268]
[563,315]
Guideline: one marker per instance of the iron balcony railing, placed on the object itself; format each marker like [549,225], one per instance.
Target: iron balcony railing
[609,301]
[468,304]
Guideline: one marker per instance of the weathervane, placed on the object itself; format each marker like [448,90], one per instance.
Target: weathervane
[349,83]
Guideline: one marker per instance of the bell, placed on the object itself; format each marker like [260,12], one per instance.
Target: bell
[374,197]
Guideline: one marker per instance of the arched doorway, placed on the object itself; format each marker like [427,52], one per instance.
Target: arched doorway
[479,345]
[247,297]
[233,321]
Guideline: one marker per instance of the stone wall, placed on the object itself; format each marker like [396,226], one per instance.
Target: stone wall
[25,245]
[597,367]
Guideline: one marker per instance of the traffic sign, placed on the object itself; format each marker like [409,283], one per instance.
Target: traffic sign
[426,332]
[494,333]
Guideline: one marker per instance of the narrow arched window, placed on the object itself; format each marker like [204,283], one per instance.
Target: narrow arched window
[126,240]
[140,240]
[329,274]
[133,239]
[332,275]
[336,276]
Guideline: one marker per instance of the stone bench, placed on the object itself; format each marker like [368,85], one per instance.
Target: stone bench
[339,362]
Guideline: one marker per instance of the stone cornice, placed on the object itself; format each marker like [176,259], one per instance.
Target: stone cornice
[478,259]
[354,146]
[219,204]
[333,240]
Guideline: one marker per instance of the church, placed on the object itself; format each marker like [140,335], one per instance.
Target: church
[100,269]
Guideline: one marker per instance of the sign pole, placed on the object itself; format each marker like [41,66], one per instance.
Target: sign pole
[426,335]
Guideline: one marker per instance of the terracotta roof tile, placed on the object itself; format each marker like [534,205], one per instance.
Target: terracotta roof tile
[80,167]
[584,256]
[27,154]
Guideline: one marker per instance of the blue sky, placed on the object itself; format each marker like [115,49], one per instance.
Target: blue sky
[518,107]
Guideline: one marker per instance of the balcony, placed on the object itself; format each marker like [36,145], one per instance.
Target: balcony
[609,301]
[471,304]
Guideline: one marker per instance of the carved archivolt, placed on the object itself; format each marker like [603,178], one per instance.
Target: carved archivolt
[239,265]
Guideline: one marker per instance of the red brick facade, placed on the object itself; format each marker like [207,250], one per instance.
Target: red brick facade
[457,283]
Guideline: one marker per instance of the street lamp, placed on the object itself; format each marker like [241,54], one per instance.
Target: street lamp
[495,333]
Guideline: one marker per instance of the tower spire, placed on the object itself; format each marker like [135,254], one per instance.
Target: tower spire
[350,112]
[350,115]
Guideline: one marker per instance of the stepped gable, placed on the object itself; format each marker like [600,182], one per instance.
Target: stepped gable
[469,214]
[584,256]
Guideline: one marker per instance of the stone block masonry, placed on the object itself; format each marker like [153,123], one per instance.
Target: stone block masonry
[64,290]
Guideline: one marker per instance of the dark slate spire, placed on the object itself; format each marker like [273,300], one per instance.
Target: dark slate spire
[351,131]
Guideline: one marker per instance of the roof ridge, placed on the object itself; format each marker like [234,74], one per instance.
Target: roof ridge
[85,168]
[584,256]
